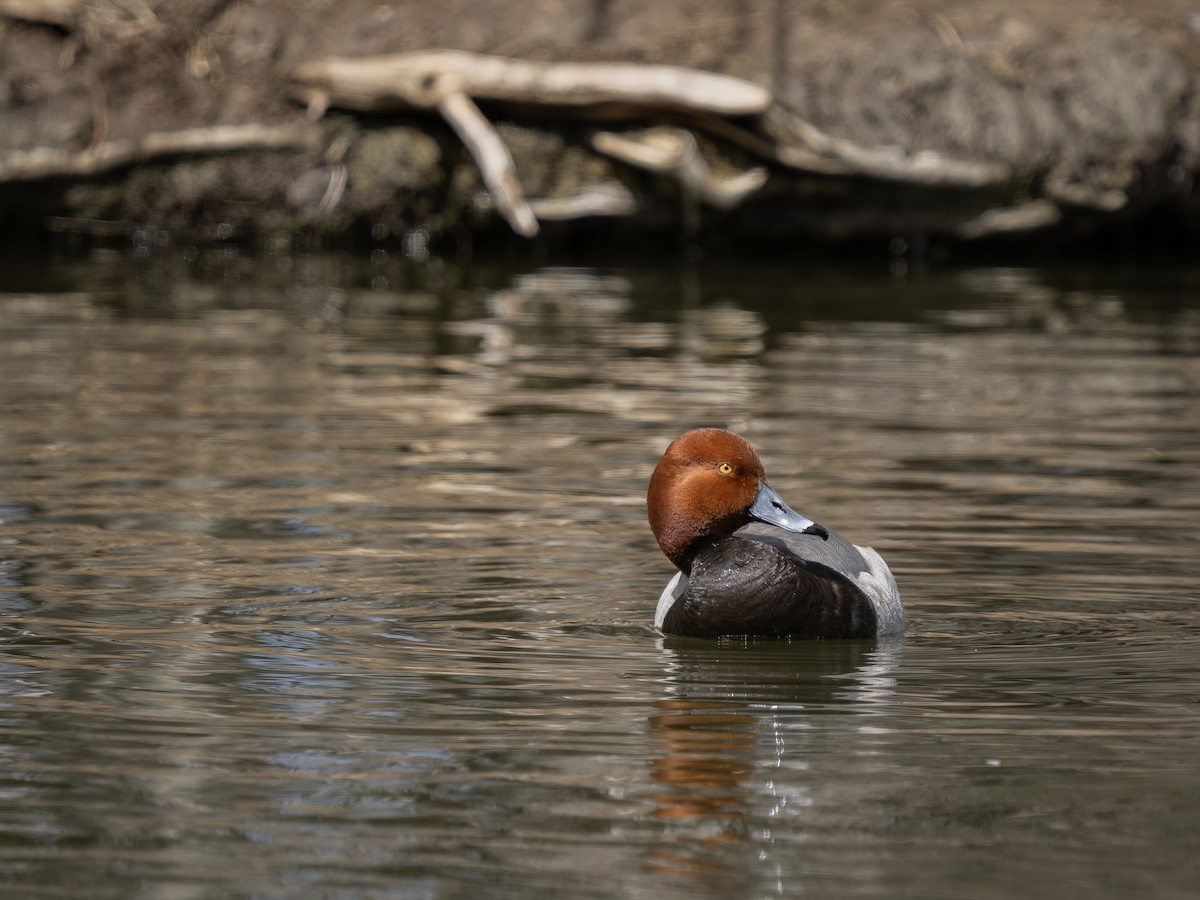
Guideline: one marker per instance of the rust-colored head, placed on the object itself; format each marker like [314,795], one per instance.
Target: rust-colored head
[701,488]
[708,484]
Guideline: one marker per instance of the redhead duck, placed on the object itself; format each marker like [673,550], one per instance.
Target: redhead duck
[750,565]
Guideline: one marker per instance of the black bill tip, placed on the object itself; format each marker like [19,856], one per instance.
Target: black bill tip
[819,530]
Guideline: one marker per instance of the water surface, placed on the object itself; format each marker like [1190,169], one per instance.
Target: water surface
[319,579]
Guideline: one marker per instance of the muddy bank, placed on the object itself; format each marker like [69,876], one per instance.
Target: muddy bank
[962,122]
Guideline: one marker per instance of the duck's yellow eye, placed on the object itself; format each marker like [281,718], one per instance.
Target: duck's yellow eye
[725,469]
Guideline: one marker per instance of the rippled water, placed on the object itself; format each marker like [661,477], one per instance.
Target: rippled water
[337,582]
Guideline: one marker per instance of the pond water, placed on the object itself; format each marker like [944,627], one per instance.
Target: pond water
[321,579]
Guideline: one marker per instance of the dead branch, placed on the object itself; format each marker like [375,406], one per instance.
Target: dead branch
[604,200]
[492,157]
[798,141]
[1032,216]
[112,20]
[968,225]
[65,14]
[449,81]
[420,80]
[46,162]
[673,152]
[600,200]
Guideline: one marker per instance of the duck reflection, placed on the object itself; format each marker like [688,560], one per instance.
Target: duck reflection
[735,711]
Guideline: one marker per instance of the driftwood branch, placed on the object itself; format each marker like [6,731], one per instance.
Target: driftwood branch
[841,224]
[420,80]
[492,157]
[598,200]
[604,200]
[799,141]
[1032,216]
[120,20]
[65,14]
[673,152]
[449,81]
[30,165]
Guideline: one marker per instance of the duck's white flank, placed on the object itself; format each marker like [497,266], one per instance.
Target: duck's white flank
[879,585]
[672,592]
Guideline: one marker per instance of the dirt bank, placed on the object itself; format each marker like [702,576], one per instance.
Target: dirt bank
[967,121]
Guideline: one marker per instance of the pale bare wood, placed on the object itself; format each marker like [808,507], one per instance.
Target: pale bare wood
[419,81]
[1031,216]
[65,14]
[609,199]
[45,162]
[109,19]
[494,161]
[834,224]
[603,200]
[448,81]
[798,141]
[673,152]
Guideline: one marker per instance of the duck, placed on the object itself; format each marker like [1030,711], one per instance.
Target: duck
[749,565]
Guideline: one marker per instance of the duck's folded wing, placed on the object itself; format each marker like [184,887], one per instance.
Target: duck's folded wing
[749,587]
[861,565]
[833,551]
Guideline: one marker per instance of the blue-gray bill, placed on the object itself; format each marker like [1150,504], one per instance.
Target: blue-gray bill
[769,507]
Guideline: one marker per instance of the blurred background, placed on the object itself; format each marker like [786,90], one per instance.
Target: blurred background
[324,567]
